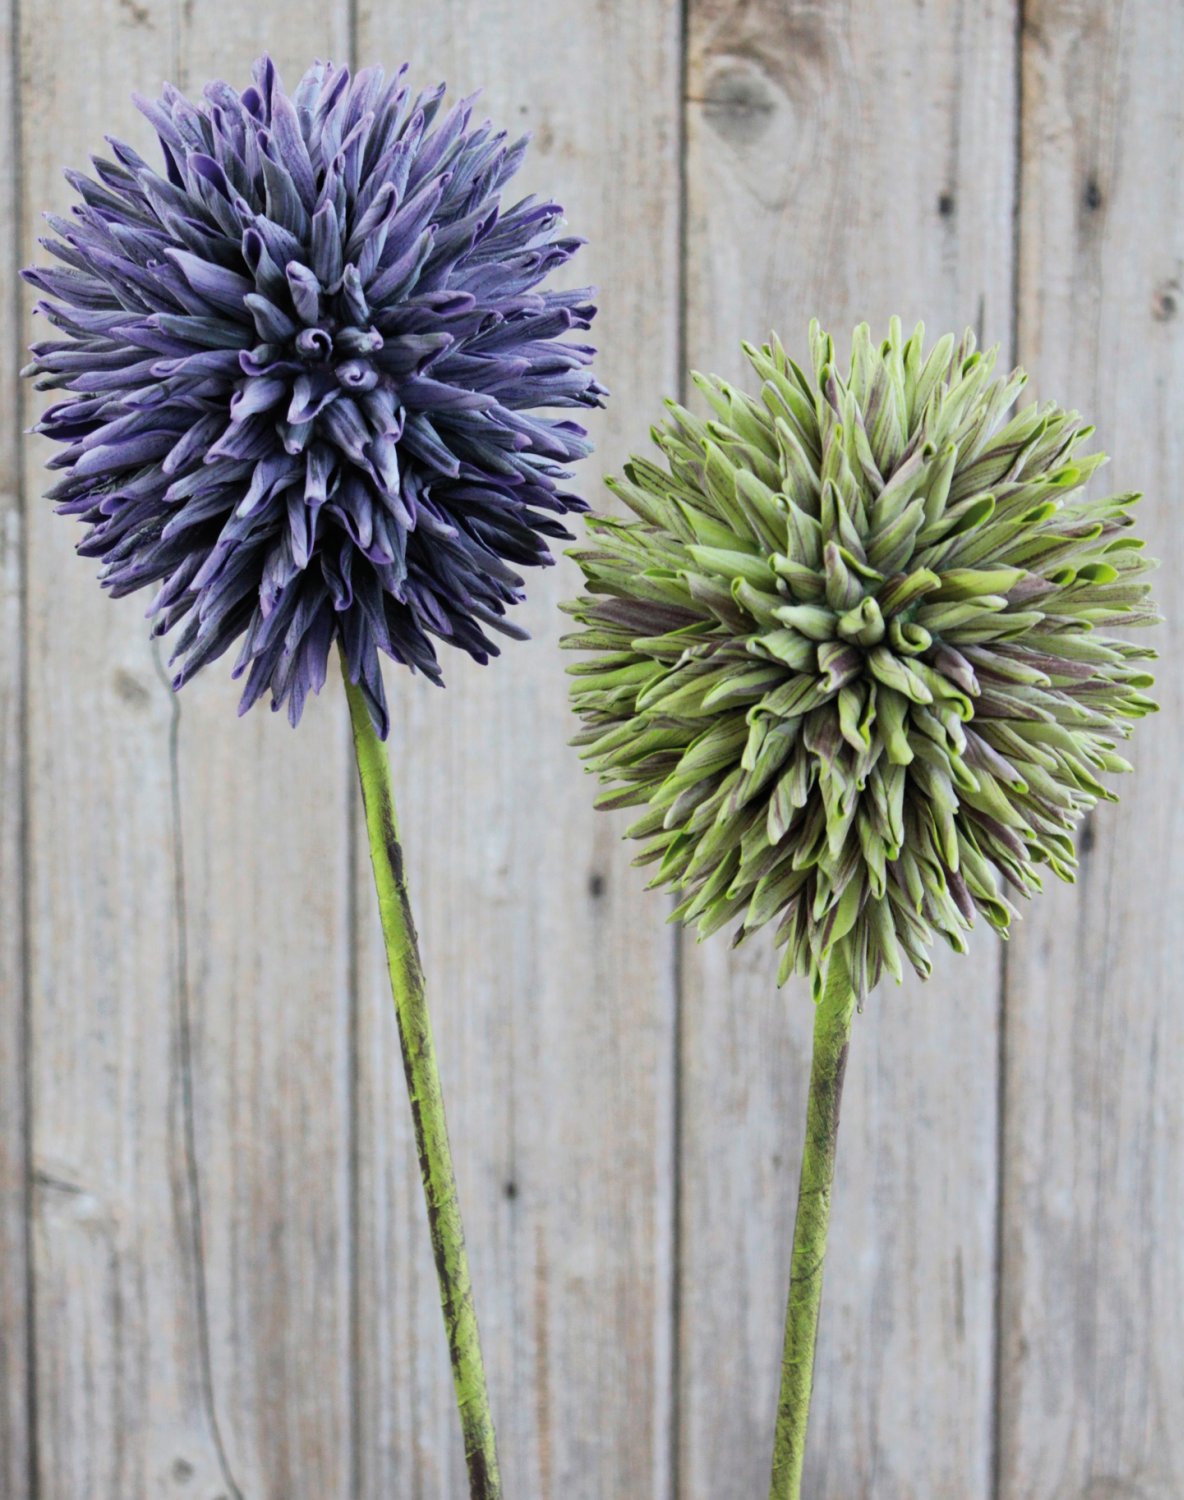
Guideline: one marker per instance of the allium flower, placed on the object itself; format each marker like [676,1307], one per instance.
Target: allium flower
[854,657]
[301,367]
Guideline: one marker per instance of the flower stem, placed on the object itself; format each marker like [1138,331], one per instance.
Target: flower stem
[832,1030]
[427,1104]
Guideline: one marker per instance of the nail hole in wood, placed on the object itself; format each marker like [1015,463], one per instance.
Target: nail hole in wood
[130,688]
[1165,303]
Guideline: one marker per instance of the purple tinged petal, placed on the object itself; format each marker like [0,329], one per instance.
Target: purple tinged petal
[205,333]
[331,103]
[422,439]
[342,424]
[208,170]
[382,411]
[311,394]
[270,474]
[302,527]
[161,121]
[349,159]
[257,395]
[272,324]
[319,467]
[337,571]
[305,290]
[269,277]
[299,366]
[205,362]
[269,359]
[295,435]
[423,394]
[219,286]
[357,376]
[280,244]
[353,505]
[244,441]
[193,443]
[401,275]
[327,261]
[127,453]
[292,149]
[352,296]
[365,341]
[383,454]
[413,353]
[372,226]
[315,344]
[283,204]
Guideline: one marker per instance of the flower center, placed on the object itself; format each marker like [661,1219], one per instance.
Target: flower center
[871,631]
[316,375]
[341,389]
[344,352]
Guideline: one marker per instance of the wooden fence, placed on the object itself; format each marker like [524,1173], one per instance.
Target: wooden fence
[214,1272]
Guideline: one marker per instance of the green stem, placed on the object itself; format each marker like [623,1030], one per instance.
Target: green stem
[832,1030]
[427,1103]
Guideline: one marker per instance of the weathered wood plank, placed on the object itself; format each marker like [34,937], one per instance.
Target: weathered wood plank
[549,976]
[189,962]
[265,817]
[1092,1394]
[118,1385]
[848,162]
[15,1416]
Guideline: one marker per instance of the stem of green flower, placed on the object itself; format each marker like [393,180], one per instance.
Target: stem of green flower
[427,1104]
[832,1031]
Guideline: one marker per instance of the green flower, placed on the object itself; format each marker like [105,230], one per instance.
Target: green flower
[853,658]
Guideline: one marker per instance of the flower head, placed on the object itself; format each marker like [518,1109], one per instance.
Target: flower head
[301,368]
[853,657]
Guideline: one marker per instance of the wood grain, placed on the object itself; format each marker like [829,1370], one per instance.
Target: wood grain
[549,976]
[15,1413]
[1092,1393]
[207,1007]
[849,162]
[120,1409]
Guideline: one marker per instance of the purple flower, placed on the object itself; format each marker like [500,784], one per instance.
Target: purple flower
[302,369]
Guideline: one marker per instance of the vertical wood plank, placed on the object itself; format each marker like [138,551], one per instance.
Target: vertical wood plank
[120,1408]
[848,162]
[1092,1394]
[549,976]
[15,1415]
[265,819]
[189,960]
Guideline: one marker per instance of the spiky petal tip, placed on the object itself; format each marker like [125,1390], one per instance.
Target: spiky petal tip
[302,368]
[853,658]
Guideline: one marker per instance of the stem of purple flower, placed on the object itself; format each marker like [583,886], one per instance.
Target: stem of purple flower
[427,1103]
[832,1031]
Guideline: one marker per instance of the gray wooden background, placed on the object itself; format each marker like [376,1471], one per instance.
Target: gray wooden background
[214,1272]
